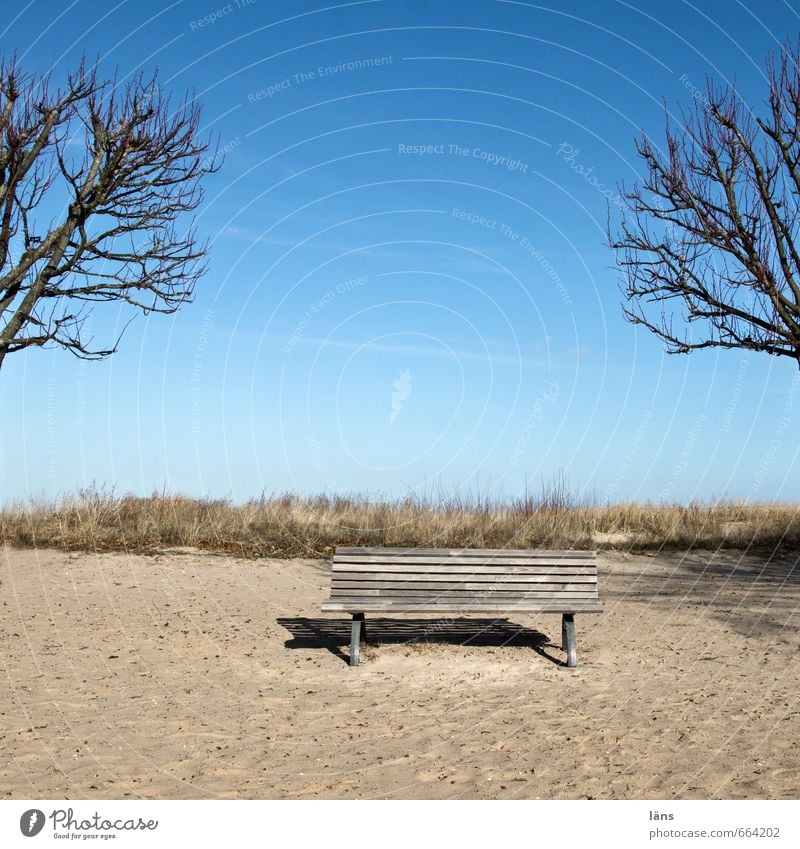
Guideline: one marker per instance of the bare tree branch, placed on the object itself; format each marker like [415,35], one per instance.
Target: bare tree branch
[713,229]
[94,182]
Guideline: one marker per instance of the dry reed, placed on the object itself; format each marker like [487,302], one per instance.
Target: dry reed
[294,526]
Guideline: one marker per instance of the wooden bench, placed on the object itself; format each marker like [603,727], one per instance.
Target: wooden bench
[460,581]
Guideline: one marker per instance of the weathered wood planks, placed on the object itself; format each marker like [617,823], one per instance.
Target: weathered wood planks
[462,581]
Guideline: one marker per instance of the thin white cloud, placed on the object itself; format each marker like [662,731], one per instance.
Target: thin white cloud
[414,350]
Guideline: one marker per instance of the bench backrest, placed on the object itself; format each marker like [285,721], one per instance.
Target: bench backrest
[467,578]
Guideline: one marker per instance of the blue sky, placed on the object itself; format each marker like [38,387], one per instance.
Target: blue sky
[409,288]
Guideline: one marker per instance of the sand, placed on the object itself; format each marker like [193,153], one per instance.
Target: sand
[190,675]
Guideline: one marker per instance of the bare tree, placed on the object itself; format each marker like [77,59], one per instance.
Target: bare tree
[713,231]
[93,180]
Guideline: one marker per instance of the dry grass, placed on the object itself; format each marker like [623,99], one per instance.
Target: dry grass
[288,525]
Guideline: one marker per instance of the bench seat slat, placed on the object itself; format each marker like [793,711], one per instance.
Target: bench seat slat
[474,586]
[534,606]
[444,553]
[489,560]
[462,598]
[465,601]
[450,577]
[438,586]
[482,566]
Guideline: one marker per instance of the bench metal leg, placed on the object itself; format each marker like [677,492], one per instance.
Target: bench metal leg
[568,638]
[355,638]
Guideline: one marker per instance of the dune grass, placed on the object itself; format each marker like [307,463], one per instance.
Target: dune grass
[293,526]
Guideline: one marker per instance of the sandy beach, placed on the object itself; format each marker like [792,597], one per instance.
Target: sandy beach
[191,675]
